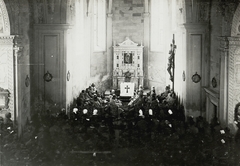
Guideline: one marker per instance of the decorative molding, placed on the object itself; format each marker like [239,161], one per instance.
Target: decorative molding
[196,27]
[234,42]
[6,40]
[224,43]
[7,37]
[127,43]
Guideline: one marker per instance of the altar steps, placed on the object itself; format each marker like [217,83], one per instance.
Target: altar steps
[117,92]
[124,98]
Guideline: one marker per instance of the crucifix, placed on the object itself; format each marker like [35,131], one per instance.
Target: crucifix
[127,88]
[171,61]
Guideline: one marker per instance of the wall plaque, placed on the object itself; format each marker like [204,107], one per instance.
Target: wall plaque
[196,78]
[214,82]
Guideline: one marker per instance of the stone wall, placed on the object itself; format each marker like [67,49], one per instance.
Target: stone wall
[98,68]
[128,20]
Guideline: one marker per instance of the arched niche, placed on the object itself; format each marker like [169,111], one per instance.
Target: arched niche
[6,60]
[235,30]
[230,71]
[4,20]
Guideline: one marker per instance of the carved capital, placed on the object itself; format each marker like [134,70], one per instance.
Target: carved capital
[224,43]
[234,41]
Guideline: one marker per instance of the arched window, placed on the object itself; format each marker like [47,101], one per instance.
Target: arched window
[99,25]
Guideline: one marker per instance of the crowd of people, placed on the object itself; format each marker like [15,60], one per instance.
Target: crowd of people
[153,125]
[152,105]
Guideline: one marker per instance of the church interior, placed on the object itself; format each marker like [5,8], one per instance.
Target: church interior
[119,82]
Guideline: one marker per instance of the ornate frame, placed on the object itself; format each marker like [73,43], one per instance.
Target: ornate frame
[128,58]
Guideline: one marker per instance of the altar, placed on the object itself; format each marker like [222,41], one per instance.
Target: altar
[127,89]
[127,63]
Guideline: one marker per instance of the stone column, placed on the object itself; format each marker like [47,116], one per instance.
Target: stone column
[109,42]
[146,43]
[223,104]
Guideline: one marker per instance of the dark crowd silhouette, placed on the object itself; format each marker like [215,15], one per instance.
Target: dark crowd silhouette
[147,129]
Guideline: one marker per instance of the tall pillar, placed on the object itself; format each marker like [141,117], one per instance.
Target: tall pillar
[146,42]
[109,42]
[223,104]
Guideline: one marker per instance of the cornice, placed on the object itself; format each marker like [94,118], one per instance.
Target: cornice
[193,27]
[234,41]
[226,41]
[7,37]
[6,40]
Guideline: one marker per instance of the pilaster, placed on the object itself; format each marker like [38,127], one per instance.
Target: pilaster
[223,97]
[109,41]
[146,42]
